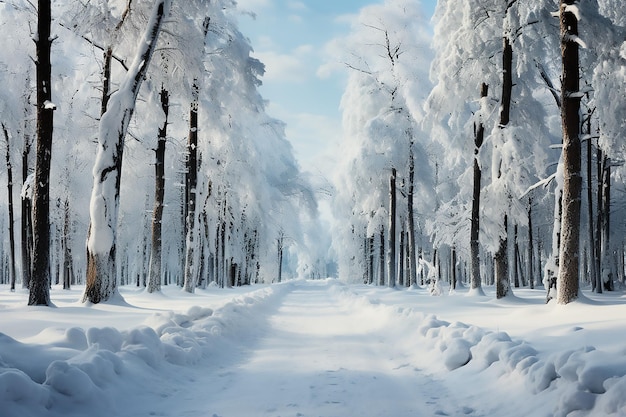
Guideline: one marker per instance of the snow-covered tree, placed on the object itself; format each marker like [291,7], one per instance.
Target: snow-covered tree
[101,245]
[381,117]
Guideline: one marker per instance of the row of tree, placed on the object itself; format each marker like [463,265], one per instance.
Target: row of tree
[159,83]
[485,147]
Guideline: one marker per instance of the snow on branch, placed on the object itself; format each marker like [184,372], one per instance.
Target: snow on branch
[575,38]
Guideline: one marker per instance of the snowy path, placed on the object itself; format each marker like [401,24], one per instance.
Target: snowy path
[320,358]
[309,349]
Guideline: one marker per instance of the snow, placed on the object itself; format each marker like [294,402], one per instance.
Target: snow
[312,348]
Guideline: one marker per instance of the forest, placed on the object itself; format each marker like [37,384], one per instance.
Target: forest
[484,148]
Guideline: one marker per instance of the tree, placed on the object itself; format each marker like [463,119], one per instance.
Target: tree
[391,257]
[10,202]
[479,137]
[191,183]
[381,117]
[101,243]
[154,275]
[40,280]
[567,283]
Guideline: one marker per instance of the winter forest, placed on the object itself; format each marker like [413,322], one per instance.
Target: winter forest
[460,174]
[480,150]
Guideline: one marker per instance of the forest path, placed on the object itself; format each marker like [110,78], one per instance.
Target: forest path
[320,356]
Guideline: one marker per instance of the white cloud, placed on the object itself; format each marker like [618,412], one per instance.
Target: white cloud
[290,67]
[296,5]
[314,137]
[254,5]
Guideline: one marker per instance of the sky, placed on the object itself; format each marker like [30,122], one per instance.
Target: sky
[289,37]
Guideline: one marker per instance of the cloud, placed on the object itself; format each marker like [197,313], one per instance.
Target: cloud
[315,138]
[294,67]
[254,5]
[296,5]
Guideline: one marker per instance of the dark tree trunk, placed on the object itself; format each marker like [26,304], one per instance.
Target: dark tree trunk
[412,253]
[401,250]
[597,240]
[501,256]
[567,288]
[68,261]
[11,216]
[453,266]
[608,274]
[502,265]
[280,245]
[370,264]
[531,249]
[381,259]
[40,280]
[191,181]
[26,224]
[154,280]
[391,250]
[590,221]
[479,136]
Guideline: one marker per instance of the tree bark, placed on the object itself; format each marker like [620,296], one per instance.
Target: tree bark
[11,215]
[501,256]
[590,221]
[280,245]
[68,261]
[391,250]
[40,280]
[608,274]
[191,181]
[502,265]
[412,253]
[154,276]
[531,249]
[26,222]
[567,283]
[475,225]
[381,259]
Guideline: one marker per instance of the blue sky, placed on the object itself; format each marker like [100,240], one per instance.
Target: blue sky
[289,36]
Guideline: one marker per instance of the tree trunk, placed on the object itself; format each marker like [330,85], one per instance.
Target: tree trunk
[68,261]
[381,259]
[401,250]
[26,237]
[280,242]
[412,253]
[370,263]
[191,181]
[453,266]
[531,249]
[502,265]
[590,221]
[608,274]
[154,276]
[101,282]
[11,216]
[475,226]
[40,280]
[567,283]
[391,250]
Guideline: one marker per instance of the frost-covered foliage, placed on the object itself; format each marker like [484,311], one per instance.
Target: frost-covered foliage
[512,158]
[381,116]
[247,164]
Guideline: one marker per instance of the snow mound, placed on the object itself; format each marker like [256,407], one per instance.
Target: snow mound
[586,380]
[77,367]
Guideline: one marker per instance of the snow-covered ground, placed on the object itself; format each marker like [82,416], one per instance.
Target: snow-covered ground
[312,348]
